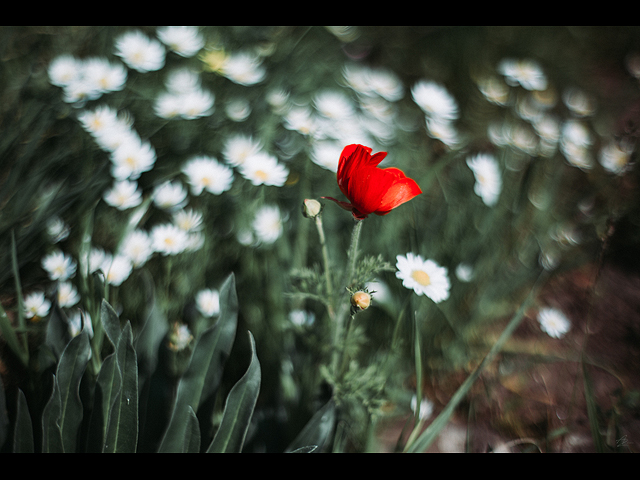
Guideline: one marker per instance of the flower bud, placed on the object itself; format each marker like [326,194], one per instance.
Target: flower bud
[311,208]
[360,300]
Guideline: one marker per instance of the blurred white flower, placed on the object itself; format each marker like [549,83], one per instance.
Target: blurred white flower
[553,322]
[57,229]
[170,196]
[185,41]
[107,127]
[488,178]
[264,169]
[137,247]
[442,130]
[527,73]
[615,157]
[36,306]
[208,302]
[64,69]
[238,148]
[195,241]
[79,319]
[494,90]
[434,100]
[301,120]
[426,407]
[238,109]
[268,224]
[79,91]
[243,68]
[132,158]
[386,84]
[575,143]
[334,105]
[464,272]
[97,257]
[123,195]
[168,105]
[68,294]
[326,154]
[425,277]
[206,173]
[188,220]
[179,337]
[140,52]
[278,100]
[103,75]
[169,239]
[195,104]
[117,269]
[59,266]
[302,318]
[578,102]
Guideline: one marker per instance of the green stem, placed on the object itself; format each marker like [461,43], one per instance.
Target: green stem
[325,258]
[353,250]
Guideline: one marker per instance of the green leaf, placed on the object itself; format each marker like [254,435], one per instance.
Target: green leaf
[63,412]
[238,409]
[57,335]
[122,429]
[110,322]
[51,432]
[69,373]
[204,373]
[6,329]
[107,387]
[23,435]
[192,437]
[316,432]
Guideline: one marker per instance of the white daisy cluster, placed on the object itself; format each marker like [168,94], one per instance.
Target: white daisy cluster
[544,122]
[86,79]
[253,162]
[440,108]
[185,97]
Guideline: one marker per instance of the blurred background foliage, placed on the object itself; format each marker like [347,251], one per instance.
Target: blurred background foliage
[551,215]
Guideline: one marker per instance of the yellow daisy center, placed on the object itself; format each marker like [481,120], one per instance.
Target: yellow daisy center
[421,277]
[262,175]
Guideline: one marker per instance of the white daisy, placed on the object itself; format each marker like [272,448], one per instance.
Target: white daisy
[243,68]
[553,322]
[208,302]
[425,277]
[132,158]
[79,91]
[386,84]
[268,224]
[264,169]
[575,143]
[140,52]
[79,320]
[527,73]
[488,177]
[169,239]
[68,295]
[179,337]
[57,229]
[301,120]
[334,105]
[238,109]
[123,195]
[137,247]
[206,173]
[168,105]
[59,266]
[494,90]
[64,69]
[426,407]
[615,157]
[182,80]
[464,272]
[197,103]
[170,196]
[238,148]
[185,41]
[36,305]
[188,220]
[580,103]
[117,269]
[442,130]
[434,100]
[104,75]
[326,154]
[97,257]
[302,318]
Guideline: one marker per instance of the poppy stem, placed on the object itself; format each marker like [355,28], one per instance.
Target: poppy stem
[353,251]
[325,257]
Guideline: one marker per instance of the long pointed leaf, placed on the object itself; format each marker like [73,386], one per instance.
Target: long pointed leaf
[192,437]
[107,387]
[110,322]
[315,433]
[122,431]
[51,432]
[23,436]
[204,373]
[238,409]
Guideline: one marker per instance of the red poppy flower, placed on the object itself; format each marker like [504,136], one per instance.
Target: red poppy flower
[371,189]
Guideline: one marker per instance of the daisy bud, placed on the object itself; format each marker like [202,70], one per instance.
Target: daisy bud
[360,301]
[311,208]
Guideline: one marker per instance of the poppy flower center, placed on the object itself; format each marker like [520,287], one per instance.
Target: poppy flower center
[421,277]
